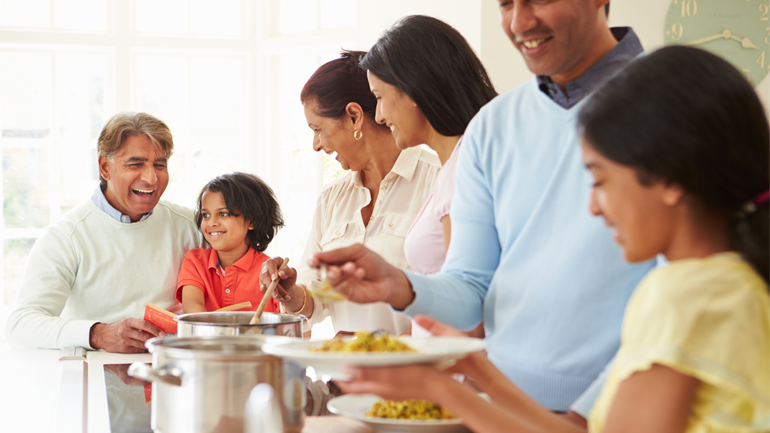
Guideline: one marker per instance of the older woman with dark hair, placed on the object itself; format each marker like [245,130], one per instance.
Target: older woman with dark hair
[374,204]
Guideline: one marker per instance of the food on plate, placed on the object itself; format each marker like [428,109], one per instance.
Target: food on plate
[408,409]
[364,342]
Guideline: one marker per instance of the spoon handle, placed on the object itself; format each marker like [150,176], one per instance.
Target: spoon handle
[268,295]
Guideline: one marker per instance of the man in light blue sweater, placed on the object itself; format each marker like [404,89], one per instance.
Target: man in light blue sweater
[525,256]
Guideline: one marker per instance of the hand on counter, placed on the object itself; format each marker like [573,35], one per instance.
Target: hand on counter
[127,335]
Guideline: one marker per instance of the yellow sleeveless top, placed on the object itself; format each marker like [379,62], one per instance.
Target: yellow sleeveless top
[709,319]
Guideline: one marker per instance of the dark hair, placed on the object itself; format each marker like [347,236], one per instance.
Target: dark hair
[337,83]
[686,117]
[254,199]
[607,10]
[433,64]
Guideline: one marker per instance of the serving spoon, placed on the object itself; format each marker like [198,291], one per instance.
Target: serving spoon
[268,294]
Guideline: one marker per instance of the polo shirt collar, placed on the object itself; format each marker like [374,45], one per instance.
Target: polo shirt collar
[243,263]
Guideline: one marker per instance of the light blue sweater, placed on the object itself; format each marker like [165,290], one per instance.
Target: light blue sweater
[550,281]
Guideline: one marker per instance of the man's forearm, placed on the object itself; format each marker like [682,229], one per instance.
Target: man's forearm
[402,294]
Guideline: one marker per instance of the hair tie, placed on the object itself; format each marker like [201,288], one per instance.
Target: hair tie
[758,200]
[761,198]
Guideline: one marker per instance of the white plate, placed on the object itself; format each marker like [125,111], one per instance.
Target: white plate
[433,350]
[356,407]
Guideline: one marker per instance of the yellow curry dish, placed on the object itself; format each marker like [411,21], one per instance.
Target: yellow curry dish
[364,342]
[324,291]
[408,409]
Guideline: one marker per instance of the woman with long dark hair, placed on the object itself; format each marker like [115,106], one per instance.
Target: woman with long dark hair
[429,84]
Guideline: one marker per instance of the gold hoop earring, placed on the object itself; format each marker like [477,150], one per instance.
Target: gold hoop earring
[357,134]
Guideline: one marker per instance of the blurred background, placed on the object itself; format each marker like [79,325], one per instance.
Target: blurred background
[225,76]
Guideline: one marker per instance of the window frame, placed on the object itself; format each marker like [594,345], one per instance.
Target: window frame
[259,43]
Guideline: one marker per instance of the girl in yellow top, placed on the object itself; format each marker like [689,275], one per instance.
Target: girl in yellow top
[679,148]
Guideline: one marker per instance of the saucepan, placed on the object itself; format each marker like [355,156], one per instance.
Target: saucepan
[232,323]
[201,384]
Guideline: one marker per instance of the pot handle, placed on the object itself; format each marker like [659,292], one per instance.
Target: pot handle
[170,375]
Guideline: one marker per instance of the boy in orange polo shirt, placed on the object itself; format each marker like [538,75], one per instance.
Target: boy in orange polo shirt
[238,216]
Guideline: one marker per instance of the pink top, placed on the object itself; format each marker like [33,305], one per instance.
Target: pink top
[424,245]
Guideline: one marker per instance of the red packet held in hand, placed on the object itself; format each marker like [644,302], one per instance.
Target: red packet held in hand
[161,318]
[148,393]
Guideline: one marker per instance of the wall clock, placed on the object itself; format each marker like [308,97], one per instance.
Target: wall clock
[737,30]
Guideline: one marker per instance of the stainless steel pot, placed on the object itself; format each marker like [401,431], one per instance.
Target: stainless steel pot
[229,323]
[201,384]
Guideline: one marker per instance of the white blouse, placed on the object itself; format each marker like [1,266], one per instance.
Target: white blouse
[338,223]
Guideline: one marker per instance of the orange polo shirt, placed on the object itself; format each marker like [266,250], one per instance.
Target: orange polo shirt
[240,282]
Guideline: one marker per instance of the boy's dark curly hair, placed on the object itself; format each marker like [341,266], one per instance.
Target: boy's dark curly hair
[247,195]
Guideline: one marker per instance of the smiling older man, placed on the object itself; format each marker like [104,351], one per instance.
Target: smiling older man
[91,273]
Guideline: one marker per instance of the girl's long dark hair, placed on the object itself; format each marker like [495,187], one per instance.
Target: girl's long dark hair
[250,196]
[687,117]
[433,64]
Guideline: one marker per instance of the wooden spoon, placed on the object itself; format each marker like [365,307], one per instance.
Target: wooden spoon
[268,295]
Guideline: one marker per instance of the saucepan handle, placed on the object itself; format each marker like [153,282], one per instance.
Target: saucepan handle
[168,374]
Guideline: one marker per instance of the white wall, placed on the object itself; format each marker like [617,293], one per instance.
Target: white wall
[375,17]
[479,22]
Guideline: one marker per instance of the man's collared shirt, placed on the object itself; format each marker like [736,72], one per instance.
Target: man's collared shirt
[101,202]
[627,49]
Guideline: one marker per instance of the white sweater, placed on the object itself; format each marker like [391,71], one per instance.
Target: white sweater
[89,268]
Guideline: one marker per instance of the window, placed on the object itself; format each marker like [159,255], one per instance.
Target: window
[225,76]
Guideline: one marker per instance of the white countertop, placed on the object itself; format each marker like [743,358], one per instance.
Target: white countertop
[43,394]
[29,380]
[40,392]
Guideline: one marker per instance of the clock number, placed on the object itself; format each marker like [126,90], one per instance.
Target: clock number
[689,8]
[747,75]
[764,9]
[761,60]
[677,31]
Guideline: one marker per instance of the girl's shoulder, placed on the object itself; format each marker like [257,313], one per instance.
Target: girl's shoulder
[198,254]
[723,274]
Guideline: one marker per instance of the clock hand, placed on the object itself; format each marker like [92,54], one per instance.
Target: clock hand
[725,34]
[745,42]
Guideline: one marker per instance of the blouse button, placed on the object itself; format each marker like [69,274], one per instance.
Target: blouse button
[337,234]
[378,202]
[390,225]
[227,291]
